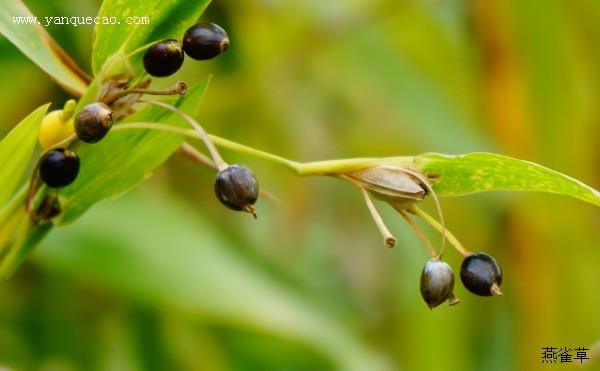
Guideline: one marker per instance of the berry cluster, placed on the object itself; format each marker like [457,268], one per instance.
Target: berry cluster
[479,273]
[235,185]
[200,42]
[59,166]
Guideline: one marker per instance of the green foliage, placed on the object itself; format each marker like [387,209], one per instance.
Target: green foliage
[122,160]
[452,77]
[37,45]
[16,150]
[168,19]
[192,268]
[478,172]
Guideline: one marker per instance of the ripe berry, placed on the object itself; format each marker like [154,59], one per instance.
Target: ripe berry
[437,283]
[205,41]
[59,167]
[481,275]
[163,58]
[237,188]
[93,122]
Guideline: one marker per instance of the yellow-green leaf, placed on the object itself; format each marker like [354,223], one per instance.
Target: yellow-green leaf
[478,172]
[40,47]
[15,152]
[167,19]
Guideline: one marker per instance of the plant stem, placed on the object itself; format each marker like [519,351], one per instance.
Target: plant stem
[190,152]
[328,167]
[388,238]
[221,164]
[180,88]
[438,207]
[436,225]
[419,233]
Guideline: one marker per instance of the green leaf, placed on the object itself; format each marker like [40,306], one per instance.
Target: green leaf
[125,158]
[16,149]
[168,19]
[167,255]
[38,45]
[478,172]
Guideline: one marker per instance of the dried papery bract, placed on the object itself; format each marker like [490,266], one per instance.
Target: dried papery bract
[397,185]
[389,183]
[386,183]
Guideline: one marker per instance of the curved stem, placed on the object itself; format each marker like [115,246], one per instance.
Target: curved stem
[221,164]
[419,233]
[388,238]
[438,207]
[435,224]
[327,167]
[190,152]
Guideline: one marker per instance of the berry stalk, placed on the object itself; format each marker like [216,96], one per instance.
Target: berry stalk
[436,225]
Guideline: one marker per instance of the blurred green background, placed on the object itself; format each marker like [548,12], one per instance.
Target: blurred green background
[165,278]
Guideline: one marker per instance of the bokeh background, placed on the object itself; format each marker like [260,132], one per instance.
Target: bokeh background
[165,278]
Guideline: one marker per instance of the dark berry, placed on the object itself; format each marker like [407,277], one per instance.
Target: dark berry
[163,58]
[437,283]
[237,188]
[93,122]
[59,167]
[205,41]
[481,275]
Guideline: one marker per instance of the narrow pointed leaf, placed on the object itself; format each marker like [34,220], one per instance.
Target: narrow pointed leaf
[16,149]
[40,47]
[478,172]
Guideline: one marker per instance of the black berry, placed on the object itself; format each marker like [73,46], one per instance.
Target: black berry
[93,122]
[481,275]
[164,58]
[205,41]
[437,283]
[59,167]
[237,188]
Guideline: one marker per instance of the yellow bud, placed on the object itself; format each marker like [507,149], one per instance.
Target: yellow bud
[54,130]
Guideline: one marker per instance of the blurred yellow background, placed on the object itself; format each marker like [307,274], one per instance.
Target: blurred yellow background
[165,278]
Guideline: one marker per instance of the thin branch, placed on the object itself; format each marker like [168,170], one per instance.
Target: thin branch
[388,238]
[190,152]
[180,88]
[438,207]
[418,231]
[326,167]
[221,164]
[435,224]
